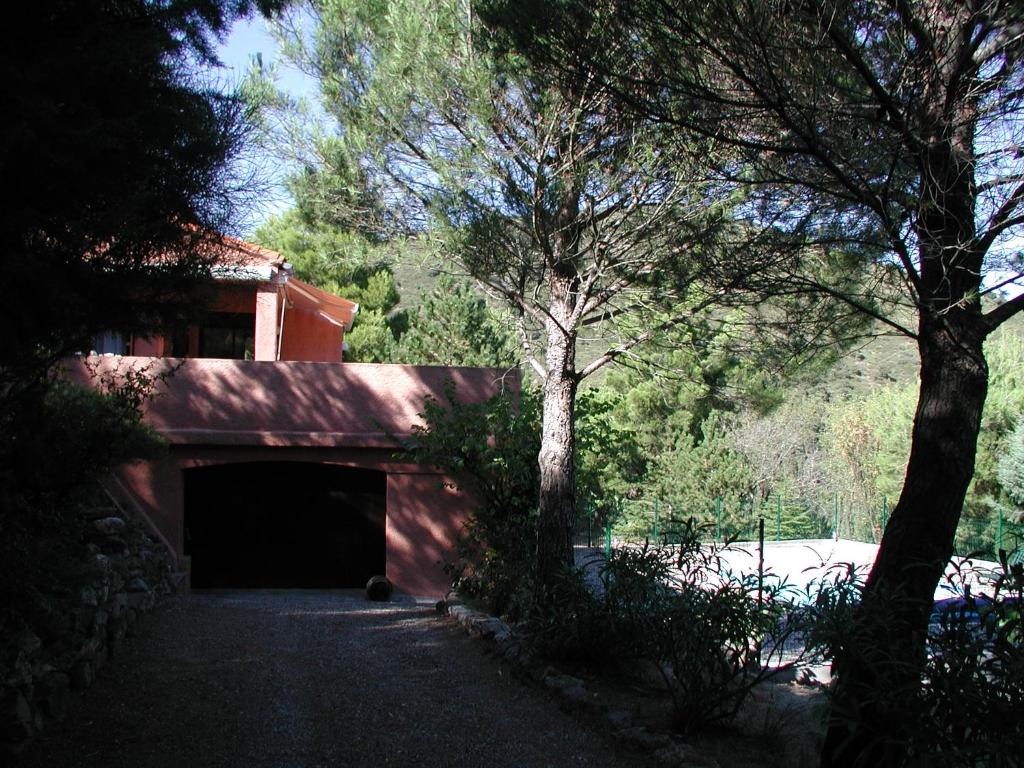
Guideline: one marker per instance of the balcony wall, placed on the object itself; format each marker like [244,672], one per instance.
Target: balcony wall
[229,411]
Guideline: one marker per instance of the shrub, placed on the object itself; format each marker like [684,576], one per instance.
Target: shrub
[963,706]
[678,608]
[53,448]
[490,451]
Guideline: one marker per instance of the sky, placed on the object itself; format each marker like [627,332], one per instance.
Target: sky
[251,37]
[247,39]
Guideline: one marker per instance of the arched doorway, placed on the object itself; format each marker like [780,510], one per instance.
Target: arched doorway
[284,524]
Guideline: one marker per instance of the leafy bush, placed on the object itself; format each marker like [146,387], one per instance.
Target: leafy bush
[677,607]
[968,709]
[490,451]
[963,706]
[54,447]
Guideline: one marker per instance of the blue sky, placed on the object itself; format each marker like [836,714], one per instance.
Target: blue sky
[248,38]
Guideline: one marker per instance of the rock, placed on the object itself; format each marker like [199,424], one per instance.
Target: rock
[488,627]
[117,628]
[515,653]
[89,649]
[379,588]
[112,545]
[460,613]
[620,718]
[20,673]
[648,673]
[137,584]
[109,526]
[83,619]
[27,641]
[81,676]
[52,695]
[568,687]
[116,605]
[679,754]
[16,721]
[640,738]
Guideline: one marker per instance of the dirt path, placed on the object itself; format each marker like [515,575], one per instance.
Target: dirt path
[304,679]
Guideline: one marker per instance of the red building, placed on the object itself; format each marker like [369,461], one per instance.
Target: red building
[281,469]
[260,311]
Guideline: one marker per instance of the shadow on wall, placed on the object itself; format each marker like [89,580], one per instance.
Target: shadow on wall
[284,524]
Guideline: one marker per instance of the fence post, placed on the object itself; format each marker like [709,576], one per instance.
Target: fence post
[760,560]
[999,530]
[608,539]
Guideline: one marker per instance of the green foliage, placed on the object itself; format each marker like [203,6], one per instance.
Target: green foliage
[67,435]
[455,326]
[116,140]
[690,476]
[685,374]
[678,609]
[962,707]
[347,264]
[611,462]
[489,449]
[340,261]
[1011,467]
[1003,408]
[61,440]
[868,442]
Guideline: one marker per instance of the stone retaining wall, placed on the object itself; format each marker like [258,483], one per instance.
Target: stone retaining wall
[125,575]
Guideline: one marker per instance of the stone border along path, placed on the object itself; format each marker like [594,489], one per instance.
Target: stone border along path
[312,678]
[572,692]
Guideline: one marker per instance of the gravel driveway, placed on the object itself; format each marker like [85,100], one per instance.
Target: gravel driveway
[293,678]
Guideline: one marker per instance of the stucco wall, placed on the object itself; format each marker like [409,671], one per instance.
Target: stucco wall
[424,521]
[227,411]
[308,336]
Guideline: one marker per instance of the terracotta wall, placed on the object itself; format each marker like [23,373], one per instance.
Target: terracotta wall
[308,336]
[226,411]
[425,518]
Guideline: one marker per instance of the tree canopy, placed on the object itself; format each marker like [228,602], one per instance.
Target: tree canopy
[576,215]
[880,131]
[117,150]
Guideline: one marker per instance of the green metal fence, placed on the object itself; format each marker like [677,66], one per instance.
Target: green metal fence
[785,519]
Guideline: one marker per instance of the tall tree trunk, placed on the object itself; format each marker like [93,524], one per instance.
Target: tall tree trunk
[558,437]
[879,666]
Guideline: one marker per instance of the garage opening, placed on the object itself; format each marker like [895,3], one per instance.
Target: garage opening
[284,524]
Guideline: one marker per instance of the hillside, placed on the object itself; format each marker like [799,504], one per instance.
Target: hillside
[882,359]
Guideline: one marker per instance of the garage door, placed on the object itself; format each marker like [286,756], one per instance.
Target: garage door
[284,524]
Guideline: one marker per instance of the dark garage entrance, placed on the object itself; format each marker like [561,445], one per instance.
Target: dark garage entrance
[284,524]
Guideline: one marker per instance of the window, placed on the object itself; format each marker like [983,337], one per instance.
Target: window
[230,335]
[110,343]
